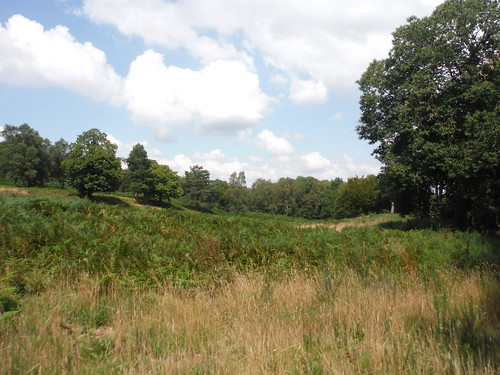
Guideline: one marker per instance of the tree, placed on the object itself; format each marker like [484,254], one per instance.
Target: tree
[92,165]
[432,108]
[236,195]
[165,183]
[196,184]
[24,156]
[58,153]
[218,194]
[139,175]
[358,195]
[330,207]
[261,195]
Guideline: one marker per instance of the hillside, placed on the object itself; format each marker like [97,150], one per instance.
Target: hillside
[110,287]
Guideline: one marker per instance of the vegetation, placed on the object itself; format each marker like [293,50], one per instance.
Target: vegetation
[24,156]
[139,174]
[92,165]
[114,285]
[196,185]
[108,288]
[432,108]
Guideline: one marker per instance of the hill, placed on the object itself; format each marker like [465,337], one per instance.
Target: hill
[109,287]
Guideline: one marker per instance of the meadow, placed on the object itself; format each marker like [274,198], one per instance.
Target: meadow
[111,288]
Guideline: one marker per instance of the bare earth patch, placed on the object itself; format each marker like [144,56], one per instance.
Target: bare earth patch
[348,224]
[13,191]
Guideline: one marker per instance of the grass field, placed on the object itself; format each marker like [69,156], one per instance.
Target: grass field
[110,288]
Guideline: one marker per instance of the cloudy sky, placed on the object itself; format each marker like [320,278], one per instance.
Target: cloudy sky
[261,86]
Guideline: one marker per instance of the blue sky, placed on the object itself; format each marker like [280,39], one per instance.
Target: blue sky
[261,86]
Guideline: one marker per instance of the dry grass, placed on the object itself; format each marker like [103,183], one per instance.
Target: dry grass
[321,324]
[358,222]
[15,191]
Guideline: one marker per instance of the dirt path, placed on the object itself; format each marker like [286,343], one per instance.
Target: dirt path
[347,224]
[132,202]
[13,191]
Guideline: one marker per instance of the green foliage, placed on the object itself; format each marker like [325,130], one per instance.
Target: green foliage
[41,239]
[8,301]
[139,175]
[196,185]
[236,195]
[165,184]
[58,153]
[92,165]
[358,195]
[432,109]
[24,156]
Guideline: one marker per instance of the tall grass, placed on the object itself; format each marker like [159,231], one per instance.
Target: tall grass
[252,325]
[99,289]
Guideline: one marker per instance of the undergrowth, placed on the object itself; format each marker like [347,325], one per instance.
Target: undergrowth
[90,287]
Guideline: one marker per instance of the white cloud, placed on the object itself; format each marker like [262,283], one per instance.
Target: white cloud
[328,41]
[278,79]
[164,23]
[32,56]
[221,165]
[273,144]
[314,161]
[354,169]
[222,98]
[124,148]
[308,92]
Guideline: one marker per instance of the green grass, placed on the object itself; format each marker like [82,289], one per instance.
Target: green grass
[107,287]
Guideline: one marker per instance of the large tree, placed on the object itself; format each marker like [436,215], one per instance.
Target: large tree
[58,153]
[432,109]
[92,165]
[139,176]
[24,155]
[165,183]
[196,184]
[358,195]
[236,195]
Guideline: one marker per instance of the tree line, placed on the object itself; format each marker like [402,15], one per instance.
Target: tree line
[90,165]
[431,108]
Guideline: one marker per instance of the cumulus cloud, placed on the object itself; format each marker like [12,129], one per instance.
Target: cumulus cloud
[308,92]
[312,164]
[164,23]
[32,56]
[275,145]
[220,165]
[329,41]
[124,148]
[355,169]
[222,98]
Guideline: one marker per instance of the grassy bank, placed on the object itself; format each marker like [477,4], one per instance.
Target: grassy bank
[112,288]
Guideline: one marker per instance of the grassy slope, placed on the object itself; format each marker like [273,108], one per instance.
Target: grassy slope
[113,288]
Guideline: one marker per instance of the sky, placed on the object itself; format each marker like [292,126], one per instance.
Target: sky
[267,87]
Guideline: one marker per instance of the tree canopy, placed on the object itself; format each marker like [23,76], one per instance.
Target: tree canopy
[196,184]
[92,165]
[165,184]
[139,171]
[432,107]
[24,156]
